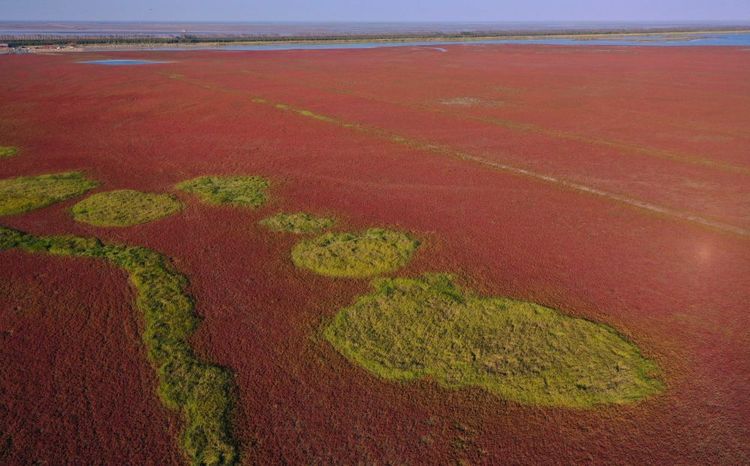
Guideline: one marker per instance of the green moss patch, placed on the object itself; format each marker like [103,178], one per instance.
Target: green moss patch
[199,390]
[373,252]
[124,208]
[427,327]
[8,151]
[298,223]
[246,191]
[22,194]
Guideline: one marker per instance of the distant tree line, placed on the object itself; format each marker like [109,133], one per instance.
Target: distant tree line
[16,40]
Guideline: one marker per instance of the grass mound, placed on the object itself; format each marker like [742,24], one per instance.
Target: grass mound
[8,151]
[201,391]
[298,223]
[427,327]
[25,193]
[373,252]
[235,190]
[124,208]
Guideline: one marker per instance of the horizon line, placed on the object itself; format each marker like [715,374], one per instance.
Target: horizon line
[385,21]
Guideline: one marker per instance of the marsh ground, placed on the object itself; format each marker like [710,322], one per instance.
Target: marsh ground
[610,183]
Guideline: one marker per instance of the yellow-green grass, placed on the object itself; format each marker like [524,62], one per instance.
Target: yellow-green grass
[298,223]
[25,193]
[8,151]
[427,327]
[373,252]
[124,208]
[199,390]
[245,191]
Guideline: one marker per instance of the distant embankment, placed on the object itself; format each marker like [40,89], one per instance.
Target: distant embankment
[22,39]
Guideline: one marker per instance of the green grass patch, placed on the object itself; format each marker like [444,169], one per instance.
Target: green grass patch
[246,191]
[25,193]
[427,327]
[124,208]
[298,223]
[372,252]
[199,390]
[8,151]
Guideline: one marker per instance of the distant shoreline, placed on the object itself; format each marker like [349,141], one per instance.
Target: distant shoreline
[88,43]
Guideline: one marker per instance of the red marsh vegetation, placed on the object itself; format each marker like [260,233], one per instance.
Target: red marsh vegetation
[610,183]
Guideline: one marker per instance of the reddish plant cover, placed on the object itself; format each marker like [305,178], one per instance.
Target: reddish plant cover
[663,127]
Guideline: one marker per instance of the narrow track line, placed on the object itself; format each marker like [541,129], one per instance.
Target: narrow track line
[622,147]
[614,144]
[460,155]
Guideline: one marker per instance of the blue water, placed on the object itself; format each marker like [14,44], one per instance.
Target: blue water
[113,62]
[726,40]
[736,40]
[689,40]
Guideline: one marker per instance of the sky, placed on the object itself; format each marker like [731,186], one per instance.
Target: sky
[377,10]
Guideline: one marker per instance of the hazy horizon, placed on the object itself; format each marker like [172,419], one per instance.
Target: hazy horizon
[487,22]
[332,11]
[71,29]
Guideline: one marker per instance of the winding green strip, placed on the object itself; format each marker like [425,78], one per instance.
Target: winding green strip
[201,391]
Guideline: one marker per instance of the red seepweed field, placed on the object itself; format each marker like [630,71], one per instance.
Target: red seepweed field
[610,183]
